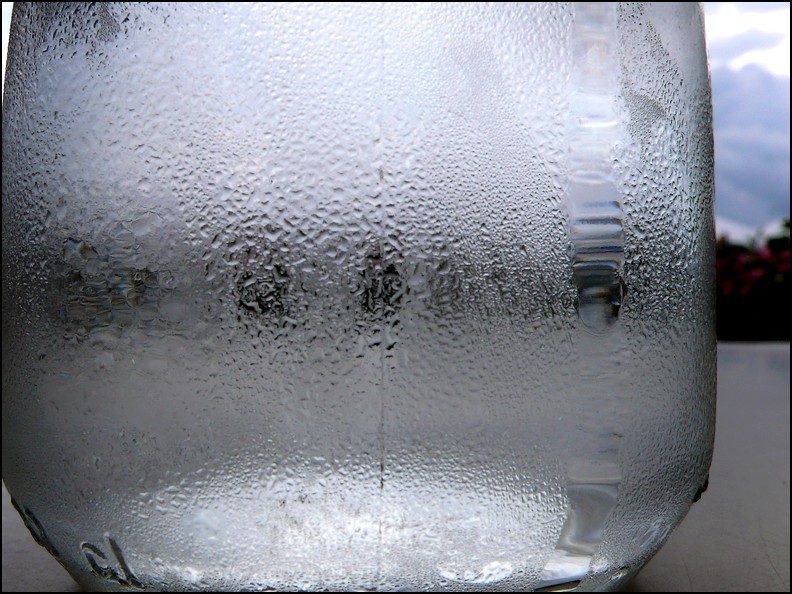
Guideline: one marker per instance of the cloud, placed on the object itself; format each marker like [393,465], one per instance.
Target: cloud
[748,6]
[751,145]
[6,24]
[725,49]
[742,33]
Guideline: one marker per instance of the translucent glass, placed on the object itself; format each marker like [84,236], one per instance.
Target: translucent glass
[359,296]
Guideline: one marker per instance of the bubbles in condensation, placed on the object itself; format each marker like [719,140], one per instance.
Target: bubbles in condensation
[492,572]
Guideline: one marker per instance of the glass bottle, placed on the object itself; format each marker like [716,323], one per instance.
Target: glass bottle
[360,296]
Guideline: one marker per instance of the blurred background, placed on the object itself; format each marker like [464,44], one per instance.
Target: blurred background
[749,57]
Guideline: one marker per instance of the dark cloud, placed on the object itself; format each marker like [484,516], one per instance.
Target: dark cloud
[751,145]
[723,50]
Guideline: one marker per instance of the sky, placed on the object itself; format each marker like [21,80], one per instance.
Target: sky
[749,51]
[748,44]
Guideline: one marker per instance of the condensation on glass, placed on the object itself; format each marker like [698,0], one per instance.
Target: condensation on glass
[369,296]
